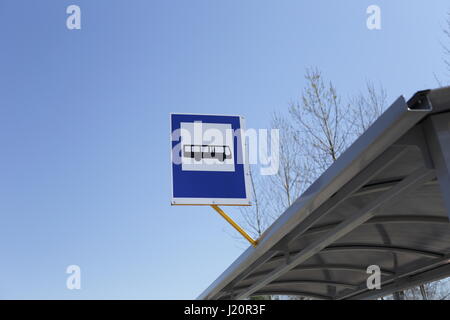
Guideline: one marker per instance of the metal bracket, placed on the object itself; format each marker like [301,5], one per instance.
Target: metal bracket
[235,225]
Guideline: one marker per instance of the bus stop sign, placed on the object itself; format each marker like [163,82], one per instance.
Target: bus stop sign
[208,160]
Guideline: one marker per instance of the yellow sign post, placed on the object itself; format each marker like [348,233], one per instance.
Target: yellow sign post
[235,225]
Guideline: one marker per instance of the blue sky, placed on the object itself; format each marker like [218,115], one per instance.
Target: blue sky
[84,123]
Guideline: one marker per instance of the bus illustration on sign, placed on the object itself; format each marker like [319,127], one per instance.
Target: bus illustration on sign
[199,152]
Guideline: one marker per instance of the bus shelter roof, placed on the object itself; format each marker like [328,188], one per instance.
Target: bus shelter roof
[384,202]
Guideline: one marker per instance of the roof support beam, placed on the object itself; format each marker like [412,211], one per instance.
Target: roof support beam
[341,267]
[382,248]
[402,276]
[331,267]
[311,281]
[414,180]
[292,293]
[375,248]
[321,282]
[389,220]
[437,130]
[377,166]
[379,187]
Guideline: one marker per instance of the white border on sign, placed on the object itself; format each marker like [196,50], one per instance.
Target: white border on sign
[247,201]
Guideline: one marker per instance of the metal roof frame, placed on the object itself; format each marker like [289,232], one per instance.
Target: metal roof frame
[402,160]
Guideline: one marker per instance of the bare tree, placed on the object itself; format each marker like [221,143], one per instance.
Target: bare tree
[446,47]
[320,117]
[366,107]
[446,54]
[255,218]
[437,290]
[313,134]
[286,185]
[272,194]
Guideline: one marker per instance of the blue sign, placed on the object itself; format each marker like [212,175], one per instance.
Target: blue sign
[208,160]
